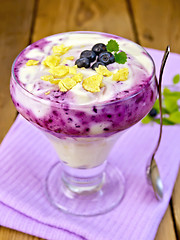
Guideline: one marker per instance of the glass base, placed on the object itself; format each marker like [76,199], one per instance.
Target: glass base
[87,201]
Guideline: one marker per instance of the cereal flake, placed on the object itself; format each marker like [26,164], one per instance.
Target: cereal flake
[103,70]
[59,71]
[50,79]
[73,70]
[62,87]
[78,77]
[93,83]
[51,61]
[61,49]
[121,75]
[68,58]
[47,93]
[32,62]
[66,84]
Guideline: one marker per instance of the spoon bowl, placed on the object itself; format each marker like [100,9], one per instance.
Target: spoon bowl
[154,179]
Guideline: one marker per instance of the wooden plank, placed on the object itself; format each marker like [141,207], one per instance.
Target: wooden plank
[176,204]
[158,23]
[15,28]
[66,15]
[9,234]
[156,27]
[15,25]
[166,227]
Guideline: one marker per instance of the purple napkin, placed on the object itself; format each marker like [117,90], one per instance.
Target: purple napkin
[26,156]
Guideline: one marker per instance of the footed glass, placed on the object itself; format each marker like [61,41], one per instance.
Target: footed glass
[82,182]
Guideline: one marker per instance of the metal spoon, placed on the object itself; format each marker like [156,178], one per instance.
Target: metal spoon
[152,171]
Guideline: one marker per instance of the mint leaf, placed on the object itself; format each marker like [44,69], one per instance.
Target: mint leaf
[170,107]
[175,117]
[176,79]
[175,94]
[112,46]
[156,105]
[170,104]
[166,121]
[164,111]
[120,57]
[146,119]
[168,93]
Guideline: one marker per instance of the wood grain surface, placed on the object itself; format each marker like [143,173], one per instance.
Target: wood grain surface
[152,23]
[66,15]
[166,227]
[9,234]
[176,205]
[15,29]
[158,23]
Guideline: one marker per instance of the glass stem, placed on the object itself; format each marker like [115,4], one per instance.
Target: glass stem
[82,181]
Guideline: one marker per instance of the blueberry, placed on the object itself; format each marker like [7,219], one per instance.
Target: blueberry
[112,59]
[94,109]
[106,58]
[96,65]
[82,62]
[98,48]
[153,112]
[88,54]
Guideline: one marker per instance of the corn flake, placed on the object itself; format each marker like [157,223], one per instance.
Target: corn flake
[59,71]
[68,83]
[73,70]
[50,79]
[47,93]
[103,70]
[32,62]
[61,49]
[101,85]
[68,58]
[121,75]
[62,87]
[51,61]
[78,77]
[92,84]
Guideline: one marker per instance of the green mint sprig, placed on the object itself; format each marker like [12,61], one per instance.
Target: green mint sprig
[120,57]
[170,106]
[113,47]
[176,79]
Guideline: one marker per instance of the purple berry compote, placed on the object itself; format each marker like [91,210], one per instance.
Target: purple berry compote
[80,113]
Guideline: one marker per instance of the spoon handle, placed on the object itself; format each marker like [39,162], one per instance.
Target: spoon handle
[166,53]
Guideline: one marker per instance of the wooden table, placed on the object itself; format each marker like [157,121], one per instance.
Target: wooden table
[151,23]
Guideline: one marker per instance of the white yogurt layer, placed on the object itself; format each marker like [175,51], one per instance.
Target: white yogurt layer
[83,152]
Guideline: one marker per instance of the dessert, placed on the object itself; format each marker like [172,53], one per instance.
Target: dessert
[83,89]
[75,90]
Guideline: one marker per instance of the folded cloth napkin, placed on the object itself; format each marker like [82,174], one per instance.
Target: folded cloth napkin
[26,156]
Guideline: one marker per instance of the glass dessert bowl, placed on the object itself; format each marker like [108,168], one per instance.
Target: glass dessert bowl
[82,124]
